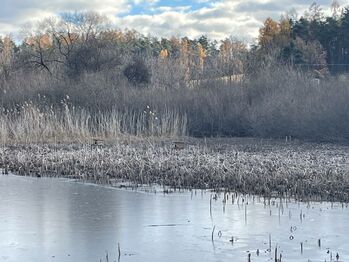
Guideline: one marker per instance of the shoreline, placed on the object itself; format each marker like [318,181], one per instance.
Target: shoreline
[269,168]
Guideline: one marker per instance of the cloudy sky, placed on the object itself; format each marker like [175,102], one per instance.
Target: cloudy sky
[217,19]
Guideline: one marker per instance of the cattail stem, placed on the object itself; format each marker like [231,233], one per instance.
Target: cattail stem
[119,252]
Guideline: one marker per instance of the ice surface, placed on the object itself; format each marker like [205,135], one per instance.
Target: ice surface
[47,219]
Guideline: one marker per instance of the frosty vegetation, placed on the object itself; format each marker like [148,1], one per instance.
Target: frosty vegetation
[269,168]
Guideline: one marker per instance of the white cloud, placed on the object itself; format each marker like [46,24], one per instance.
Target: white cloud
[151,2]
[217,19]
[220,19]
[14,14]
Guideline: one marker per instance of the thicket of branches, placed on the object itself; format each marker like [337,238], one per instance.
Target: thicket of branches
[78,76]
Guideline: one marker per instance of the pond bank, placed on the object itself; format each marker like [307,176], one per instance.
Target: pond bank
[263,167]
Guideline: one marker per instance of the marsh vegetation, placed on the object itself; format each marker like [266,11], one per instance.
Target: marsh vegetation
[269,168]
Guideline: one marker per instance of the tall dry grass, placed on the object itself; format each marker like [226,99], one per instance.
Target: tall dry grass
[67,123]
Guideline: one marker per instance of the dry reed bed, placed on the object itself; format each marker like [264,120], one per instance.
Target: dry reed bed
[68,123]
[306,171]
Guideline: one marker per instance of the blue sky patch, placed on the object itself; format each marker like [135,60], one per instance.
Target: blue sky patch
[148,8]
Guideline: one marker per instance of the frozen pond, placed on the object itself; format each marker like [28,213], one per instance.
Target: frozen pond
[43,219]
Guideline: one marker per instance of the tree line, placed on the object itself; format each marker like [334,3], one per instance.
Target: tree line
[84,42]
[313,41]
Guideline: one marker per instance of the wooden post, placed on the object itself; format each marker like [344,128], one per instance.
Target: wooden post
[178,145]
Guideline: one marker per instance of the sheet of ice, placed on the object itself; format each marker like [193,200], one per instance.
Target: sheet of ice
[43,219]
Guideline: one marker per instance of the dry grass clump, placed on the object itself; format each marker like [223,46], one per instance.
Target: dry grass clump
[306,171]
[68,123]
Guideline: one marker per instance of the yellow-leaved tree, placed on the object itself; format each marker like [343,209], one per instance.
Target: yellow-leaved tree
[163,54]
[268,33]
[184,58]
[231,56]
[201,53]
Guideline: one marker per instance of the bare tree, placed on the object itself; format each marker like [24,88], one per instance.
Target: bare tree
[73,42]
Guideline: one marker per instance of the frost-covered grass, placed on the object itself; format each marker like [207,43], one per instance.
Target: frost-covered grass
[269,167]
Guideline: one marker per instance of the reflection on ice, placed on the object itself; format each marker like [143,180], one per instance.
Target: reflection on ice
[43,219]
